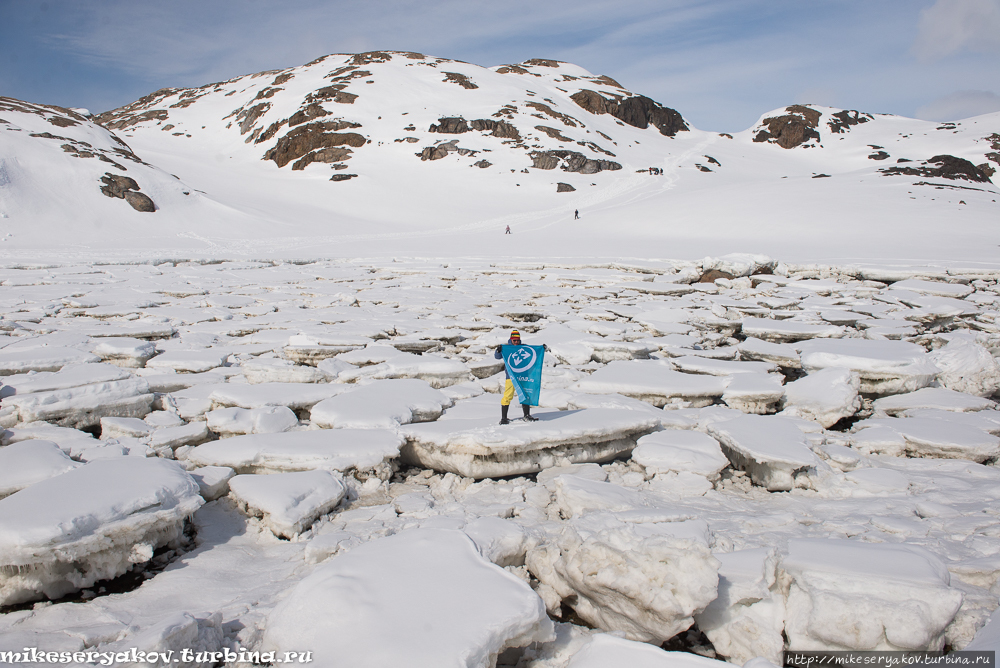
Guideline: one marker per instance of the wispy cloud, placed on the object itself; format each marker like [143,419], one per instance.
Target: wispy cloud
[963,104]
[950,26]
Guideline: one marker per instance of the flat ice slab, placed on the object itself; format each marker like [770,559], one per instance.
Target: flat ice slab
[480,448]
[678,451]
[49,358]
[189,361]
[323,449]
[653,382]
[850,595]
[937,398]
[91,523]
[927,437]
[605,651]
[771,449]
[24,463]
[381,404]
[824,396]
[288,503]
[423,598]
[884,367]
[783,331]
[297,396]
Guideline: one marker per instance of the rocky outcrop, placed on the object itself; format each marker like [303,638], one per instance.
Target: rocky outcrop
[792,129]
[483,164]
[460,79]
[124,187]
[343,177]
[564,188]
[638,111]
[571,161]
[442,151]
[843,120]
[453,125]
[306,114]
[302,140]
[942,167]
[456,125]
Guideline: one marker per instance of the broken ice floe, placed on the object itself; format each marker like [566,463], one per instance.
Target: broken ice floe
[825,396]
[884,367]
[653,382]
[478,448]
[88,524]
[772,450]
[925,437]
[27,462]
[348,606]
[79,395]
[240,421]
[653,579]
[849,595]
[288,503]
[363,450]
[381,404]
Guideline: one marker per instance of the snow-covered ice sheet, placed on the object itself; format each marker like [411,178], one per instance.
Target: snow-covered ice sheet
[771,449]
[288,503]
[381,404]
[480,448]
[347,609]
[321,449]
[90,523]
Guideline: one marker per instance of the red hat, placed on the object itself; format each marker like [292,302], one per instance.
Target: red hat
[515,335]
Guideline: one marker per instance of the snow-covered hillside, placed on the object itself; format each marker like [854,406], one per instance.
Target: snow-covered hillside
[388,153]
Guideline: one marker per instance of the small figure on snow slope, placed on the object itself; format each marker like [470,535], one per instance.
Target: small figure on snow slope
[508,390]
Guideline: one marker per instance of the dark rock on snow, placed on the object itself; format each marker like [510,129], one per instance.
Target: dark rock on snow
[792,129]
[124,187]
[571,161]
[947,167]
[638,111]
[564,188]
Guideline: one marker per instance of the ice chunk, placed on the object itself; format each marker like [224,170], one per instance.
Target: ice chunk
[112,427]
[646,580]
[677,451]
[297,396]
[825,396]
[72,375]
[125,351]
[605,651]
[967,367]
[84,405]
[382,404]
[716,367]
[312,349]
[756,393]
[239,421]
[438,371]
[213,481]
[91,523]
[478,448]
[574,347]
[189,361]
[784,331]
[325,449]
[935,398]
[272,370]
[383,589]
[884,367]
[27,462]
[174,437]
[782,354]
[50,358]
[850,595]
[771,449]
[288,503]
[937,288]
[925,437]
[654,383]
[333,367]
[500,541]
[589,471]
[747,618]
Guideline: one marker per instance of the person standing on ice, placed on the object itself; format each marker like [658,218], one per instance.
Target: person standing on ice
[508,390]
[576,214]
[508,230]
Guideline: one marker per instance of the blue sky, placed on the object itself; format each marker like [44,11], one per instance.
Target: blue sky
[721,63]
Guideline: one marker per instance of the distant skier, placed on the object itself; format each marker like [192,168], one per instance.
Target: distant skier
[508,389]
[576,214]
[508,230]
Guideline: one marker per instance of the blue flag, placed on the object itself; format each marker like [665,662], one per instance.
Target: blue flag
[524,366]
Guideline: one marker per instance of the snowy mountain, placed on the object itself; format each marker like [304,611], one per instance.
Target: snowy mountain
[392,152]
